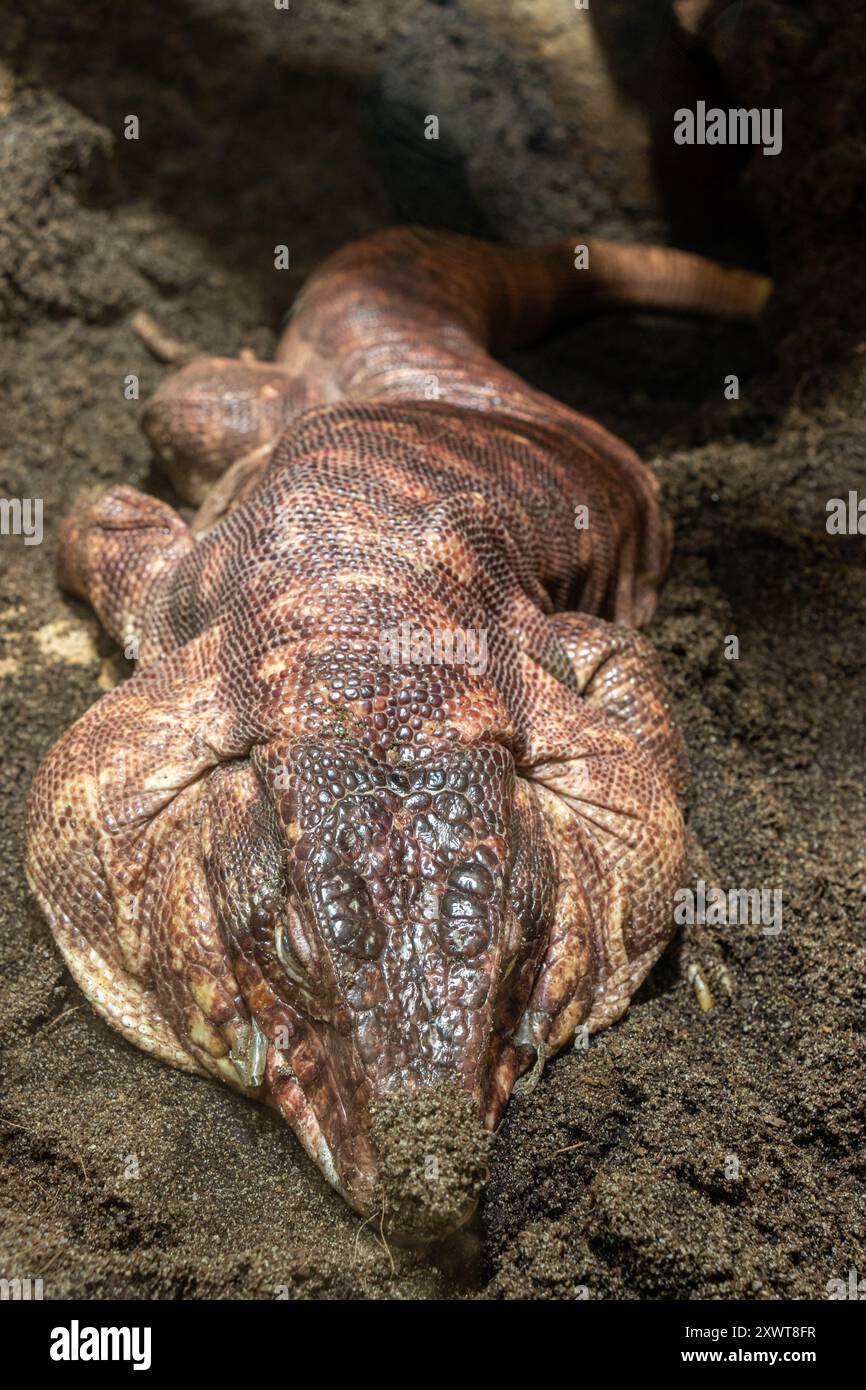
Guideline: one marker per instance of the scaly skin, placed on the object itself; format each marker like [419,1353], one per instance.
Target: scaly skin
[280,854]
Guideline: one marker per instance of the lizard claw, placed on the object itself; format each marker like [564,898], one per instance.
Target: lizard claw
[695,977]
[527,1084]
[697,942]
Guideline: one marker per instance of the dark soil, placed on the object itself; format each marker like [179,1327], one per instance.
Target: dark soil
[683,1154]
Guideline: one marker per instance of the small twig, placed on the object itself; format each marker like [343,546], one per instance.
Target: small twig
[66,1012]
[384,1241]
[53,1260]
[364,1223]
[160,343]
[567,1150]
[380,1237]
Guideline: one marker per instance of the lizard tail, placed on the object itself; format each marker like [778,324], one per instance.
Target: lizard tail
[407,301]
[656,277]
[409,314]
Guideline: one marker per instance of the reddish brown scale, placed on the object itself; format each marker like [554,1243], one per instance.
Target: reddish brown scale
[366,881]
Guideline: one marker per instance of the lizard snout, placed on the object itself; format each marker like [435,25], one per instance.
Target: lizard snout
[421,1164]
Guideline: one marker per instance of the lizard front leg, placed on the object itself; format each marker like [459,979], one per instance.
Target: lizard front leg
[114,550]
[614,825]
[618,671]
[107,818]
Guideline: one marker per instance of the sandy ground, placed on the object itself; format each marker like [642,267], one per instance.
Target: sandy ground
[683,1155]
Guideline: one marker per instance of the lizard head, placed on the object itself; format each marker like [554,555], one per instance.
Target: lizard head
[400,955]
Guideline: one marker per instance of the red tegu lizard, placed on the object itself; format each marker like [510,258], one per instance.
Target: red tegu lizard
[390,807]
